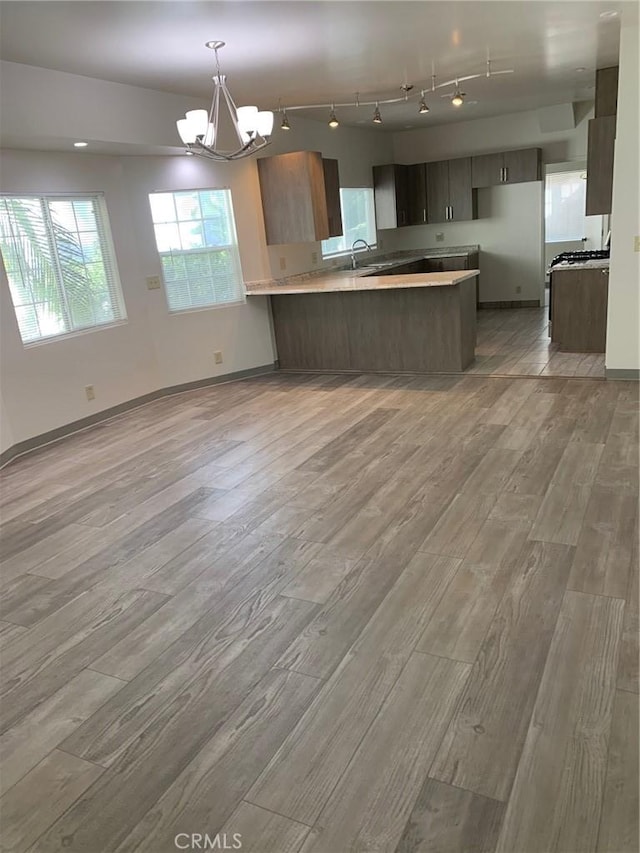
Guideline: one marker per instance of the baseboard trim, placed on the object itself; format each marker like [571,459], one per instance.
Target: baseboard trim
[31,444]
[622,373]
[523,303]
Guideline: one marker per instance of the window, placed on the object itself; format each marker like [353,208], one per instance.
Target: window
[564,199]
[60,263]
[358,221]
[196,239]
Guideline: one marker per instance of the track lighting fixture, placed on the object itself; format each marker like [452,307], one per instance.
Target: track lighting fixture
[377,118]
[458,98]
[285,122]
[333,121]
[423,107]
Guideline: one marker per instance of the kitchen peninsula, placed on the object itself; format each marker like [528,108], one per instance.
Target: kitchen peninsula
[392,316]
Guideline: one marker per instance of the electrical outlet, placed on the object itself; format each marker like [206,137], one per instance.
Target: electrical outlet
[283,263]
[153,282]
[636,243]
[314,258]
[518,289]
[440,237]
[89,390]
[217,357]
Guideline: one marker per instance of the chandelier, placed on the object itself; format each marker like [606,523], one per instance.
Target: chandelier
[199,129]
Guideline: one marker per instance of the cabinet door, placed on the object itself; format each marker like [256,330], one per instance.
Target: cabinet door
[521,166]
[461,193]
[401,174]
[391,195]
[293,197]
[332,192]
[417,191]
[600,148]
[606,91]
[486,170]
[437,191]
[456,263]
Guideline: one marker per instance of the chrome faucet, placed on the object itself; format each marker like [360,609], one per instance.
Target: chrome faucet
[354,263]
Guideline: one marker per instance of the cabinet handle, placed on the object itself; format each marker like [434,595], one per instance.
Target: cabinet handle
[450,212]
[605,271]
[424,214]
[446,213]
[502,174]
[506,174]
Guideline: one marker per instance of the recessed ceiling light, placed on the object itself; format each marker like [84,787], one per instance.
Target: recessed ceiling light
[80,144]
[610,14]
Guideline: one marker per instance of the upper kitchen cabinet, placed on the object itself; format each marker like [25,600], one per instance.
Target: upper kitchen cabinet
[300,197]
[601,143]
[390,184]
[600,151]
[506,167]
[606,92]
[450,196]
[417,193]
[332,193]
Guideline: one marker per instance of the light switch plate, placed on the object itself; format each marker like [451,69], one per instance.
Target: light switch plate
[440,236]
[153,282]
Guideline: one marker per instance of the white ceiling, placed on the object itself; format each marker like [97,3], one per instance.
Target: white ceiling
[309,52]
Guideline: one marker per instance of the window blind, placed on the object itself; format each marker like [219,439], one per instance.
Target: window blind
[198,247]
[60,264]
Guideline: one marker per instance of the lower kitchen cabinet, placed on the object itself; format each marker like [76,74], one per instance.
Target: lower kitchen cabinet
[579,308]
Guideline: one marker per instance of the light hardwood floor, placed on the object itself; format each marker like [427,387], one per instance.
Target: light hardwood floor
[330,614]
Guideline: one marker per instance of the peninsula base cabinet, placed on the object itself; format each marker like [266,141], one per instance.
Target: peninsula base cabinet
[579,309]
[403,330]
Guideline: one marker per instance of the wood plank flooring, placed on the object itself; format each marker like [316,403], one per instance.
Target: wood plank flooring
[330,614]
[516,342]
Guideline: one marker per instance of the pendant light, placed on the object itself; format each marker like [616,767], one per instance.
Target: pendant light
[333,121]
[377,118]
[423,107]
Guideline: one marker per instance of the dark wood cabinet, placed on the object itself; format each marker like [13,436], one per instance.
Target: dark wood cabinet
[332,195]
[450,196]
[294,200]
[506,167]
[579,309]
[391,191]
[606,91]
[600,152]
[417,193]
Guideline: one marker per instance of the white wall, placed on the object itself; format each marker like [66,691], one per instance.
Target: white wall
[43,384]
[623,327]
[510,227]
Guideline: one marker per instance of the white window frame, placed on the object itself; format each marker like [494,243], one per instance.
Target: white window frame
[108,253]
[233,247]
[347,250]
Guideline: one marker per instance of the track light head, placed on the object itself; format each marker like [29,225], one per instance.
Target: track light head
[423,107]
[333,121]
[285,122]
[458,98]
[377,118]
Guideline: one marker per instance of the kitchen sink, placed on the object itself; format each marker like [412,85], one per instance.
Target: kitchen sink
[380,265]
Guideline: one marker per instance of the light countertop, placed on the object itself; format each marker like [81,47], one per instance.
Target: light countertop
[596,263]
[346,280]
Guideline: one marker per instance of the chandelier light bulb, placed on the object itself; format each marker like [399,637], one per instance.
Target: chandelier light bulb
[377,118]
